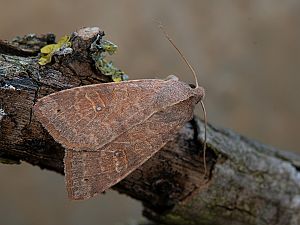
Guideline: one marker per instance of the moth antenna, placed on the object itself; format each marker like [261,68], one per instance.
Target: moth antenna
[161,27]
[205,136]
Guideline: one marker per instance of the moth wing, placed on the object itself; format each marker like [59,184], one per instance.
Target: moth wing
[110,129]
[92,172]
[88,117]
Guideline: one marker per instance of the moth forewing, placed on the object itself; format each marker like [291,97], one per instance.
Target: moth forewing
[109,130]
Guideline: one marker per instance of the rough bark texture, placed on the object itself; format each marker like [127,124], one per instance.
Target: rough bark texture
[248,182]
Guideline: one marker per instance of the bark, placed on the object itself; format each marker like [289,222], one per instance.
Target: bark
[247,182]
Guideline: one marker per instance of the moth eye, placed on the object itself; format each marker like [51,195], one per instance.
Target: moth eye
[192,85]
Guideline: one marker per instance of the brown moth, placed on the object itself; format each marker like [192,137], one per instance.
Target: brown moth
[110,129]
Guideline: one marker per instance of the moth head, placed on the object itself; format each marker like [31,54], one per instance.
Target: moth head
[199,92]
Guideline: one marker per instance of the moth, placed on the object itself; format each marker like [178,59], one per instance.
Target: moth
[110,129]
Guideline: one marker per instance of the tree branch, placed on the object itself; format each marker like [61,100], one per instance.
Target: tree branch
[248,182]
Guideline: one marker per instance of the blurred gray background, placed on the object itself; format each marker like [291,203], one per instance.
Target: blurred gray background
[246,53]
